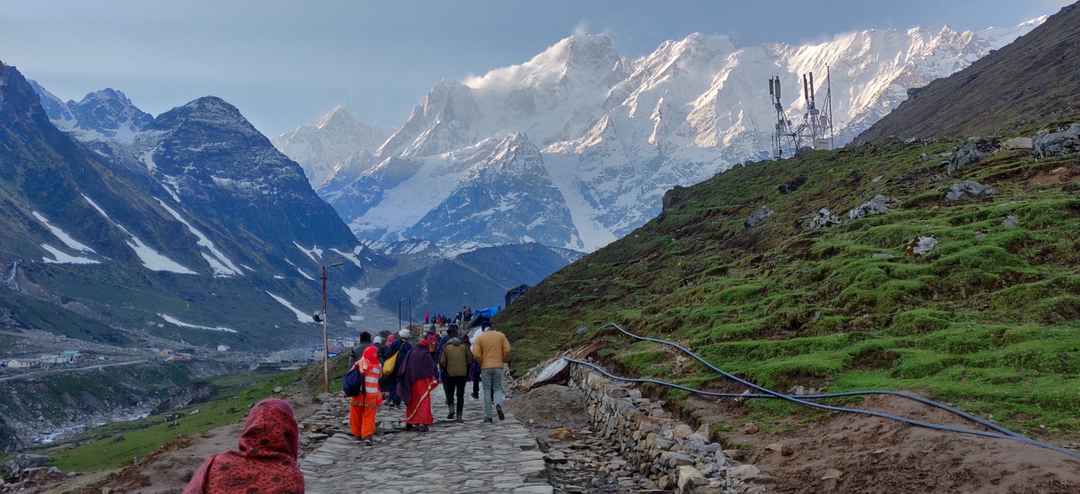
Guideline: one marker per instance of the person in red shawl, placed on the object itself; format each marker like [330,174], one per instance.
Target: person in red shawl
[363,407]
[419,376]
[265,461]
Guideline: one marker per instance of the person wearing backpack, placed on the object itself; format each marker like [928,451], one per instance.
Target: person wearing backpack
[454,361]
[364,406]
[393,358]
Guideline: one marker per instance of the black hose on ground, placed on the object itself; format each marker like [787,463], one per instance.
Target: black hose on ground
[803,400]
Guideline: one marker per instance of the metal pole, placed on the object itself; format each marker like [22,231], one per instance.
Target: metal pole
[326,341]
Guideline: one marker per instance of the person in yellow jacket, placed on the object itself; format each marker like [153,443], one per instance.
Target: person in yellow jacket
[492,350]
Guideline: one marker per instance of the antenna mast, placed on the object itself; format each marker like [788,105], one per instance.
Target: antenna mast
[782,130]
[816,129]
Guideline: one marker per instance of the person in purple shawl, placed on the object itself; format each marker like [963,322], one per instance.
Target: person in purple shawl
[418,377]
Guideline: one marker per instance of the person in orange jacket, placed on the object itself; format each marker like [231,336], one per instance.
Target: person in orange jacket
[364,407]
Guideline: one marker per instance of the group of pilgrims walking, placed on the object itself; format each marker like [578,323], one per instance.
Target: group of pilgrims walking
[398,369]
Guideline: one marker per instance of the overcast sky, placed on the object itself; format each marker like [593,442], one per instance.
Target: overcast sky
[283,62]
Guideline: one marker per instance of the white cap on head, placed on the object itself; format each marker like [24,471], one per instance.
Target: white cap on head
[405,333]
[377,340]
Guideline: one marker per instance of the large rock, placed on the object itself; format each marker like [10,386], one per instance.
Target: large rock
[968,189]
[823,218]
[689,478]
[971,153]
[759,216]
[878,205]
[1065,140]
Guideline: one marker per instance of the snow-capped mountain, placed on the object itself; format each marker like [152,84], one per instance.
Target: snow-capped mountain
[614,133]
[190,224]
[336,143]
[105,115]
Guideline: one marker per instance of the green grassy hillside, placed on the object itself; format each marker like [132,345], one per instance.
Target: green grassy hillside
[990,319]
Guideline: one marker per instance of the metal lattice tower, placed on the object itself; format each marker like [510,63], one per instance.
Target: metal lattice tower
[783,130]
[816,130]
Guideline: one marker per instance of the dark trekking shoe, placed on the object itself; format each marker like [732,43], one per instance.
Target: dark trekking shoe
[476,396]
[451,416]
[460,419]
[488,420]
[498,409]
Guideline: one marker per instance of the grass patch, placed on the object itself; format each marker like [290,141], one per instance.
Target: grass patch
[116,445]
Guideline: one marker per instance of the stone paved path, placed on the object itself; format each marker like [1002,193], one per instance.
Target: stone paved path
[472,457]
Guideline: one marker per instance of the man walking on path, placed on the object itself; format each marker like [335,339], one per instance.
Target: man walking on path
[492,350]
[454,361]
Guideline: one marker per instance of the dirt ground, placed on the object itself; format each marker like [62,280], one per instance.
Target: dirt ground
[169,469]
[850,453]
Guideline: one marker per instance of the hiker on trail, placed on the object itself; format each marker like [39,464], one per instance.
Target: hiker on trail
[454,362]
[492,350]
[363,407]
[265,460]
[393,357]
[419,377]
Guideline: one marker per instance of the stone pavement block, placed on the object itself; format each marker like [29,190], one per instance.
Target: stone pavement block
[453,457]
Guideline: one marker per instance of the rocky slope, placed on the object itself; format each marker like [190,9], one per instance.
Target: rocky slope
[189,226]
[1024,84]
[614,133]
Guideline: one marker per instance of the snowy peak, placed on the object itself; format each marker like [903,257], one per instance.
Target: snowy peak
[107,115]
[443,121]
[336,144]
[616,133]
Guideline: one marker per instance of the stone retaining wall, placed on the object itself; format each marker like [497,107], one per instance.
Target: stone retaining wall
[667,450]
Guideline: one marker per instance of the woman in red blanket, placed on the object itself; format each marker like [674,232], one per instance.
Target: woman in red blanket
[265,461]
[418,378]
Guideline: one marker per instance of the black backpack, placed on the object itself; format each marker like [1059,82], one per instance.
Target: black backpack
[353,383]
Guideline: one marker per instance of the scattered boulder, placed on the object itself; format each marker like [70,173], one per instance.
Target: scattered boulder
[921,246]
[792,185]
[744,472]
[968,189]
[688,478]
[759,216]
[831,473]
[780,447]
[1010,221]
[1019,143]
[971,153]
[822,219]
[750,428]
[878,205]
[1065,140]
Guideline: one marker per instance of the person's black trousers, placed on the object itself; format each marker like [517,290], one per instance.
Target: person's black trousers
[455,393]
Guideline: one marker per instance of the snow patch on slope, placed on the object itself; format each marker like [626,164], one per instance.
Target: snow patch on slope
[219,263]
[150,258]
[68,240]
[300,315]
[176,322]
[314,253]
[60,257]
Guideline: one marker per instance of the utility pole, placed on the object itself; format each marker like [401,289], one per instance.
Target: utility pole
[325,338]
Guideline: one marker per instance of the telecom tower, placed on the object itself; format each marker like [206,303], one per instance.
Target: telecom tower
[816,130]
